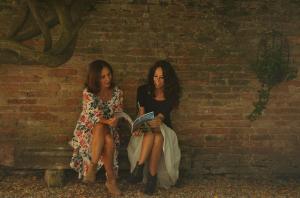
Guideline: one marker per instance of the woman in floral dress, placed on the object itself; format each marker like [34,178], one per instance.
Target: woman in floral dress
[96,138]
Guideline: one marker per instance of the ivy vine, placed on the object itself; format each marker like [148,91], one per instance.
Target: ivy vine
[271,68]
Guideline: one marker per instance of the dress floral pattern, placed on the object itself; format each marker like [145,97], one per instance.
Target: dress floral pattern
[93,109]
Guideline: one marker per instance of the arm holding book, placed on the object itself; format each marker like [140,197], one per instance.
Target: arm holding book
[139,122]
[154,123]
[110,122]
[141,111]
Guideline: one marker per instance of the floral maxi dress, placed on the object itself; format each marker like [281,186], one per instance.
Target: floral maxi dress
[92,110]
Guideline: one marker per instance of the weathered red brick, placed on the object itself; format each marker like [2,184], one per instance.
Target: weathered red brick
[34,108]
[62,72]
[44,117]
[23,79]
[21,101]
[7,154]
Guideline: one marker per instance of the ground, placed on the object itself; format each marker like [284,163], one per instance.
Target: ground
[31,184]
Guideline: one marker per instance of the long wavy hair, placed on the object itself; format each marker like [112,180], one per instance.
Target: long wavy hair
[172,88]
[92,82]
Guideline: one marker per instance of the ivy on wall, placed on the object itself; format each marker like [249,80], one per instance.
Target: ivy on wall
[271,68]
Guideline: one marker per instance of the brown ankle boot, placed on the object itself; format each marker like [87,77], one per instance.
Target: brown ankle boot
[91,173]
[137,174]
[112,187]
[151,184]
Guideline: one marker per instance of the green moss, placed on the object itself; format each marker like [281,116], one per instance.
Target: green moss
[271,68]
[297,2]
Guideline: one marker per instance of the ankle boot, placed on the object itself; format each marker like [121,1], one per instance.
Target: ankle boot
[151,184]
[112,187]
[91,173]
[137,174]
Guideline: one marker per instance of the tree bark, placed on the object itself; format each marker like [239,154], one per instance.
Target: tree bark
[41,24]
[68,14]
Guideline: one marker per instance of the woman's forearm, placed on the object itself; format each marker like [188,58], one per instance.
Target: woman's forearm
[161,117]
[103,121]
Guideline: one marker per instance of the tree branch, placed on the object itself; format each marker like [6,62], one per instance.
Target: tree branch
[33,31]
[68,14]
[44,58]
[69,30]
[16,27]
[42,25]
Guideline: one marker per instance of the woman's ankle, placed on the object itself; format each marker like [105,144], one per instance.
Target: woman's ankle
[140,163]
[110,175]
[152,173]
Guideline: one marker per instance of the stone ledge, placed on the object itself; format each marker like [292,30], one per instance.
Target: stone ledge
[54,159]
[58,157]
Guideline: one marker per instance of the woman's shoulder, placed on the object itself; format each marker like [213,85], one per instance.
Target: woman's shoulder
[87,92]
[117,89]
[143,88]
[143,91]
[88,96]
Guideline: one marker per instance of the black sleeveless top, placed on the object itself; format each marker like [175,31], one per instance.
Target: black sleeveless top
[145,99]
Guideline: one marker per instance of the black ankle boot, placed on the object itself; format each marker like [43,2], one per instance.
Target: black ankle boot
[150,185]
[137,174]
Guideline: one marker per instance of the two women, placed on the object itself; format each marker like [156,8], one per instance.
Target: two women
[96,138]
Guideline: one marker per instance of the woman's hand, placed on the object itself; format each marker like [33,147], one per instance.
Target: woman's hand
[137,132]
[156,122]
[112,122]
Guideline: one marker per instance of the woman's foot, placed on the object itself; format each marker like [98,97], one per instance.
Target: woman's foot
[112,187]
[150,185]
[91,173]
[137,174]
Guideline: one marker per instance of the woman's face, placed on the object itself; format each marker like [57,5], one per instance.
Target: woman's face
[158,78]
[105,78]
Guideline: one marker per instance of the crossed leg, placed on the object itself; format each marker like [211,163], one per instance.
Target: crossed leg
[99,132]
[156,152]
[151,148]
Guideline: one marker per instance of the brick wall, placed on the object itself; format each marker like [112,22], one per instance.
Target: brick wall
[210,43]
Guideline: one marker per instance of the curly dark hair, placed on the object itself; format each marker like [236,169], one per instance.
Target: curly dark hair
[92,82]
[172,88]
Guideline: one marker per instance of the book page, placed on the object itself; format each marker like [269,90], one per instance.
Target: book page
[142,119]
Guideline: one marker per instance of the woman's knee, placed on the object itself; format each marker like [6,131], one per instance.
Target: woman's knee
[109,141]
[99,128]
[148,135]
[158,138]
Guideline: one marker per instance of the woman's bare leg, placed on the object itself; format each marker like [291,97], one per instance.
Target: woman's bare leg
[108,154]
[97,144]
[147,145]
[99,132]
[156,152]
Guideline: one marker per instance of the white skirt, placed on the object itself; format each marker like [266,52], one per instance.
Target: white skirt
[168,168]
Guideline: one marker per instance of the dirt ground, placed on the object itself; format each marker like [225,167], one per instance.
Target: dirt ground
[31,184]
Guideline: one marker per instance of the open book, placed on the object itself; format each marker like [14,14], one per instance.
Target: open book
[138,122]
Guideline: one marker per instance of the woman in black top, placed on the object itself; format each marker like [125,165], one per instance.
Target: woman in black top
[158,149]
